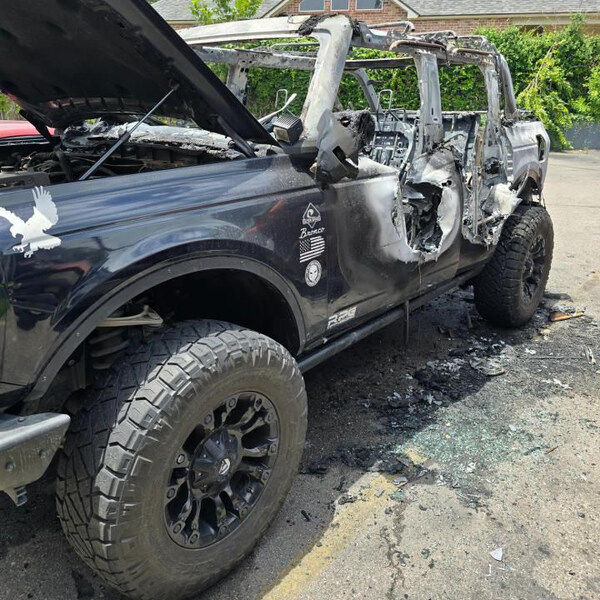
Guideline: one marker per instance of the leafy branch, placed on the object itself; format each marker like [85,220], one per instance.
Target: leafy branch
[220,11]
[546,95]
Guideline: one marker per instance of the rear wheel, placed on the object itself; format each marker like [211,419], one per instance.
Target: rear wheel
[508,291]
[180,460]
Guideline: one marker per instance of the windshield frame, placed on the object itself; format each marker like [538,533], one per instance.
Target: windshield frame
[334,36]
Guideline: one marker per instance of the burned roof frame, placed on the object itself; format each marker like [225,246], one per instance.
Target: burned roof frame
[335,35]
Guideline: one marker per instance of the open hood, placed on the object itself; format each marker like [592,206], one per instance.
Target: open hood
[65,61]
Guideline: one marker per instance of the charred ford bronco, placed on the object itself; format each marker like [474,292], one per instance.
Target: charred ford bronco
[172,264]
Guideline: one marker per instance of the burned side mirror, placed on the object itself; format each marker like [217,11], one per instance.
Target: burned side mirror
[341,137]
[333,166]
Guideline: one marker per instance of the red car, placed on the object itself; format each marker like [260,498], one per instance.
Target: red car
[19,131]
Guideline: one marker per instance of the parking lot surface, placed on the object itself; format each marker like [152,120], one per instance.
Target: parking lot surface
[423,477]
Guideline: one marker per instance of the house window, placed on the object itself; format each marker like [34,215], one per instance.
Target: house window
[312,6]
[340,5]
[369,4]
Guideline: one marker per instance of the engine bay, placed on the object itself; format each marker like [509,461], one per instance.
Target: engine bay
[150,148]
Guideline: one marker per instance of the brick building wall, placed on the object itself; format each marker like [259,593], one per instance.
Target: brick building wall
[460,26]
[392,12]
[389,12]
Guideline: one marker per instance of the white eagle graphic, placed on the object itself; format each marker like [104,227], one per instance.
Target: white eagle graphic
[32,231]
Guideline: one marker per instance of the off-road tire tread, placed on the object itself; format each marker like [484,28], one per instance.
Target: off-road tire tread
[147,386]
[498,287]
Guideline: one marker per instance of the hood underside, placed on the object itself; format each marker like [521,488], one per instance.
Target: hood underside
[69,60]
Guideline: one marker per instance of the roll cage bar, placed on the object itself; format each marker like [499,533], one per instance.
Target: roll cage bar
[336,35]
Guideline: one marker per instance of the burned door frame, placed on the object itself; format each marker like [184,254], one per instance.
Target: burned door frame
[429,164]
[432,178]
[378,266]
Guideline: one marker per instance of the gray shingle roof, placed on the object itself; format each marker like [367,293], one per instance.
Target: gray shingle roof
[179,10]
[266,6]
[174,10]
[430,8]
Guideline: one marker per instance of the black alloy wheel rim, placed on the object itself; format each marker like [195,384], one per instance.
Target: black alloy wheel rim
[533,270]
[221,470]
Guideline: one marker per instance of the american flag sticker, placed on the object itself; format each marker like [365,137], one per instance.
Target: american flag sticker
[311,248]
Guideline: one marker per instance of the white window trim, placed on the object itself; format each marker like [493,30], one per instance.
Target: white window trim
[310,11]
[367,9]
[347,9]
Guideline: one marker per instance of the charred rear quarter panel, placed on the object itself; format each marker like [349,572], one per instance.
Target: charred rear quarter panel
[524,139]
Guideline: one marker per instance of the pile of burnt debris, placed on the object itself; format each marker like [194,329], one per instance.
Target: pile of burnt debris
[469,354]
[383,459]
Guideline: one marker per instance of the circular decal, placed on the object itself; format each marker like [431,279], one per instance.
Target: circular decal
[313,273]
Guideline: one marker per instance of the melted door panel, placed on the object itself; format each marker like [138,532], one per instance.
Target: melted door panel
[374,266]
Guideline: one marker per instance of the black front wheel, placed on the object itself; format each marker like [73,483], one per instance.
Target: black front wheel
[510,288]
[180,460]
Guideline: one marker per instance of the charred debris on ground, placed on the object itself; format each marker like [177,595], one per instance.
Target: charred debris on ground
[443,415]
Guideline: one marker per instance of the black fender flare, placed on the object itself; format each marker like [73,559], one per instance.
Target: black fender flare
[522,181]
[85,324]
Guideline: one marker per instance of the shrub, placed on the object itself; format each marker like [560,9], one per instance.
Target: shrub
[555,74]
[545,96]
[8,109]
[593,89]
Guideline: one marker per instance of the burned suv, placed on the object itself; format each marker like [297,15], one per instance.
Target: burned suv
[172,264]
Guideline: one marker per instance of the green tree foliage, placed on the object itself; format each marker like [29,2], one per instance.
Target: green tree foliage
[593,87]
[8,109]
[219,11]
[547,95]
[556,75]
